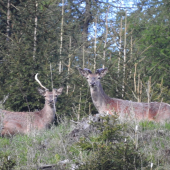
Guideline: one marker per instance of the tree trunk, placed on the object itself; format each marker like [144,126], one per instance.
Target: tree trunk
[124,62]
[61,37]
[95,29]
[8,32]
[35,31]
[104,52]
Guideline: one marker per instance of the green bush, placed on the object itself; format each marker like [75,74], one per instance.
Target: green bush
[112,150]
[6,162]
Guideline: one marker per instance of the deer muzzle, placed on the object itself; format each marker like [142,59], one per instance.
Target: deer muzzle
[92,84]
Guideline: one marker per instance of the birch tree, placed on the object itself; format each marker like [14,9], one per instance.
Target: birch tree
[124,56]
[35,30]
[61,37]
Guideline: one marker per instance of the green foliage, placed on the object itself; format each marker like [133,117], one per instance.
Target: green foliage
[150,25]
[6,162]
[149,125]
[107,149]
[5,142]
[148,29]
[112,149]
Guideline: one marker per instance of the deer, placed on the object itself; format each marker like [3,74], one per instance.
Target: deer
[153,111]
[25,122]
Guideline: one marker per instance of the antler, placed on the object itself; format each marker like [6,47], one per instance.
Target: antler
[100,70]
[86,69]
[36,78]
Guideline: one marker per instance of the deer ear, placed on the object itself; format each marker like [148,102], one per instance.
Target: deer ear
[41,91]
[59,91]
[101,72]
[84,72]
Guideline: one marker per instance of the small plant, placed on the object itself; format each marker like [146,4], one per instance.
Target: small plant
[6,162]
[111,150]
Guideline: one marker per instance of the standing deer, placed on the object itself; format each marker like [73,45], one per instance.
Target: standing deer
[104,104]
[24,122]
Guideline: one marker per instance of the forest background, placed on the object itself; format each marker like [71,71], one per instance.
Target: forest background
[53,38]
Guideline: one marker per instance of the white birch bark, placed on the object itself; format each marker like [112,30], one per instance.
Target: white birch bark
[120,46]
[124,62]
[69,64]
[79,108]
[138,89]
[148,94]
[35,30]
[61,37]
[131,53]
[8,20]
[83,57]
[105,43]
[135,78]
[69,57]
[95,39]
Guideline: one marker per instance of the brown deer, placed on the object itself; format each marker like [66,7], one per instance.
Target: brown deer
[24,122]
[104,104]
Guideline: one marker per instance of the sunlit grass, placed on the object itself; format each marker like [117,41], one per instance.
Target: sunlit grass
[150,125]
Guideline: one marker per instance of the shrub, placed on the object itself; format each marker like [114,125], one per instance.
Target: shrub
[6,162]
[112,149]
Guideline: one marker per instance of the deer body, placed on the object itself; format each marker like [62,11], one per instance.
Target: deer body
[104,104]
[24,122]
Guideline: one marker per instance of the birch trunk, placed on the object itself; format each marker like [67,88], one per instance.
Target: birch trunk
[104,52]
[135,78]
[61,37]
[8,19]
[148,94]
[95,27]
[83,57]
[124,62]
[138,89]
[131,53]
[35,31]
[69,57]
[120,46]
[79,108]
[69,65]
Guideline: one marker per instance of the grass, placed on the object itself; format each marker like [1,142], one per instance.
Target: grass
[53,145]
[38,148]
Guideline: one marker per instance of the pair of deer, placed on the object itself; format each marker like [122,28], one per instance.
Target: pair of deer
[24,122]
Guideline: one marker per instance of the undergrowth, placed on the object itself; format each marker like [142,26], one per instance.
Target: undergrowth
[112,149]
[113,145]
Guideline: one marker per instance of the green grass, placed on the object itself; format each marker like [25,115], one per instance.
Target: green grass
[146,125]
[53,145]
[41,148]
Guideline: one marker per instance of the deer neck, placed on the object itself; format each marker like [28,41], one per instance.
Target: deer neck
[99,98]
[48,113]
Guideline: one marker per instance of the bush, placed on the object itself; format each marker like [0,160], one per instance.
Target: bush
[6,162]
[112,149]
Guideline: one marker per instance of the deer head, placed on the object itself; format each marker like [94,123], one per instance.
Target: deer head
[50,97]
[93,79]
